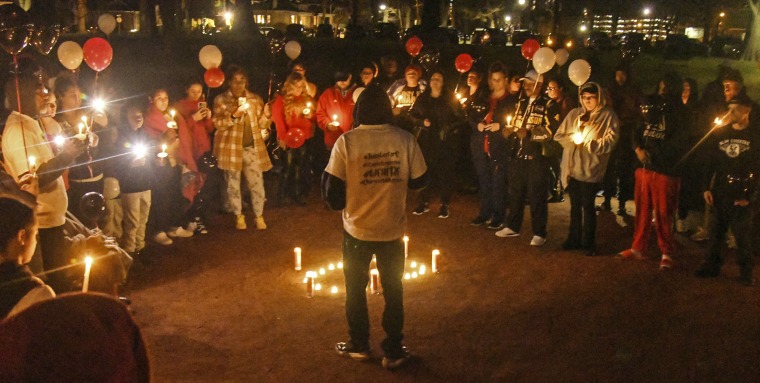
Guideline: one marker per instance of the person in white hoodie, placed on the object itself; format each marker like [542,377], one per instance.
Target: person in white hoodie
[587,136]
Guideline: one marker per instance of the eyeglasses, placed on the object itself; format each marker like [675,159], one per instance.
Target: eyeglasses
[551,88]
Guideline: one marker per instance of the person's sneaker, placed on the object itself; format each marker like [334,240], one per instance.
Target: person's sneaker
[162,239]
[479,221]
[681,226]
[707,271]
[201,228]
[745,277]
[421,209]
[444,212]
[495,225]
[701,235]
[391,362]
[507,233]
[604,206]
[537,241]
[260,224]
[192,226]
[630,254]
[666,263]
[240,222]
[349,350]
[556,199]
[179,232]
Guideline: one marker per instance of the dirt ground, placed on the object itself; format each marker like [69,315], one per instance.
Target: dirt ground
[229,307]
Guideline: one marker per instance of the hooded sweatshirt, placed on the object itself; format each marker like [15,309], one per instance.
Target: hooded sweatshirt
[599,128]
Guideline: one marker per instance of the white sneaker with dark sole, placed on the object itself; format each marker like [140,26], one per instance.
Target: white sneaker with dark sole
[392,363]
[344,349]
[537,241]
[507,233]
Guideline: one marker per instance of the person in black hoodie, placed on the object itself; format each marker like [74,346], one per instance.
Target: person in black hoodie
[733,167]
[135,173]
[487,117]
[659,146]
[436,116]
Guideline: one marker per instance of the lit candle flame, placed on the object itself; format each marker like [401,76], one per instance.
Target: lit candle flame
[59,140]
[718,121]
[335,117]
[334,290]
[32,163]
[87,268]
[173,113]
[577,138]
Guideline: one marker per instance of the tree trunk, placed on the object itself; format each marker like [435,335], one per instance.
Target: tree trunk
[82,16]
[752,47]
[244,17]
[431,14]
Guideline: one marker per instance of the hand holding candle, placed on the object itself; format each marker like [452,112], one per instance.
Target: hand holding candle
[335,120]
[81,135]
[163,153]
[307,109]
[577,138]
[59,140]
[32,165]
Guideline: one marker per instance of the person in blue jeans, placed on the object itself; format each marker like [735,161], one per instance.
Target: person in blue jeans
[371,168]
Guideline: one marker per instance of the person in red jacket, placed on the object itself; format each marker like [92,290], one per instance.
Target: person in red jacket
[335,111]
[293,115]
[197,115]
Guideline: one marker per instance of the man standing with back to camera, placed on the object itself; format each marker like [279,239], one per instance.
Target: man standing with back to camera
[370,170]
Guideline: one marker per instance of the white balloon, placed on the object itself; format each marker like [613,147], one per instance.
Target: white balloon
[210,57]
[543,60]
[107,23]
[579,72]
[111,188]
[357,92]
[561,56]
[70,55]
[292,49]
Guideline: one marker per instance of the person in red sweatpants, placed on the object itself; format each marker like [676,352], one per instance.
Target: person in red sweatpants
[659,145]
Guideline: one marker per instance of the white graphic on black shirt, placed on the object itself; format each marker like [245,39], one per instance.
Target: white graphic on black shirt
[734,147]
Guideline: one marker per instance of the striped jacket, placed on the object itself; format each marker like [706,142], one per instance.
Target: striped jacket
[228,142]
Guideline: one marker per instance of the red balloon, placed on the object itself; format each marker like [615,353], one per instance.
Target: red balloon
[213,77]
[529,48]
[97,53]
[414,46]
[295,138]
[463,63]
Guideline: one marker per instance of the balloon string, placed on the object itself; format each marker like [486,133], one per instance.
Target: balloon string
[456,89]
[21,120]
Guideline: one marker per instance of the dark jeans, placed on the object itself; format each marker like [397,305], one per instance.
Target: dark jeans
[528,179]
[357,255]
[440,164]
[582,231]
[619,177]
[51,247]
[492,183]
[166,209]
[296,177]
[739,220]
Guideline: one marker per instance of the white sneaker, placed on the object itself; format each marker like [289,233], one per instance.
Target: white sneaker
[179,232]
[162,239]
[506,233]
[192,227]
[537,241]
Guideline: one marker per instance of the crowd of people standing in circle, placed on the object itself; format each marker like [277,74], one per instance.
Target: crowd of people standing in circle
[515,137]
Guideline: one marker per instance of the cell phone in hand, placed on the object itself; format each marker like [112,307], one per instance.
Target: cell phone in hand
[202,105]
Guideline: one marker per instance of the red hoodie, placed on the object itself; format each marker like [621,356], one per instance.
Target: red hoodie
[295,120]
[200,130]
[333,103]
[155,126]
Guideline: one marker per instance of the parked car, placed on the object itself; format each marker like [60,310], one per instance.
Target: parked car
[440,35]
[729,47]
[599,41]
[294,31]
[354,32]
[265,31]
[387,31]
[520,35]
[488,36]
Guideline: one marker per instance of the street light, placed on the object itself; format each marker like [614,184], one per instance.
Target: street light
[382,7]
[647,11]
[508,18]
[722,14]
[583,28]
[521,2]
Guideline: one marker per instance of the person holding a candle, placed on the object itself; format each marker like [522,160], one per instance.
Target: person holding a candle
[19,288]
[588,134]
[370,170]
[166,220]
[335,111]
[659,145]
[87,173]
[437,115]
[294,109]
[23,137]
[559,105]
[239,144]
[197,115]
[404,93]
[487,117]
[528,173]
[733,166]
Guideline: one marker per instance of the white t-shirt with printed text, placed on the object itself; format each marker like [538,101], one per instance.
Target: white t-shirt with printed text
[376,162]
